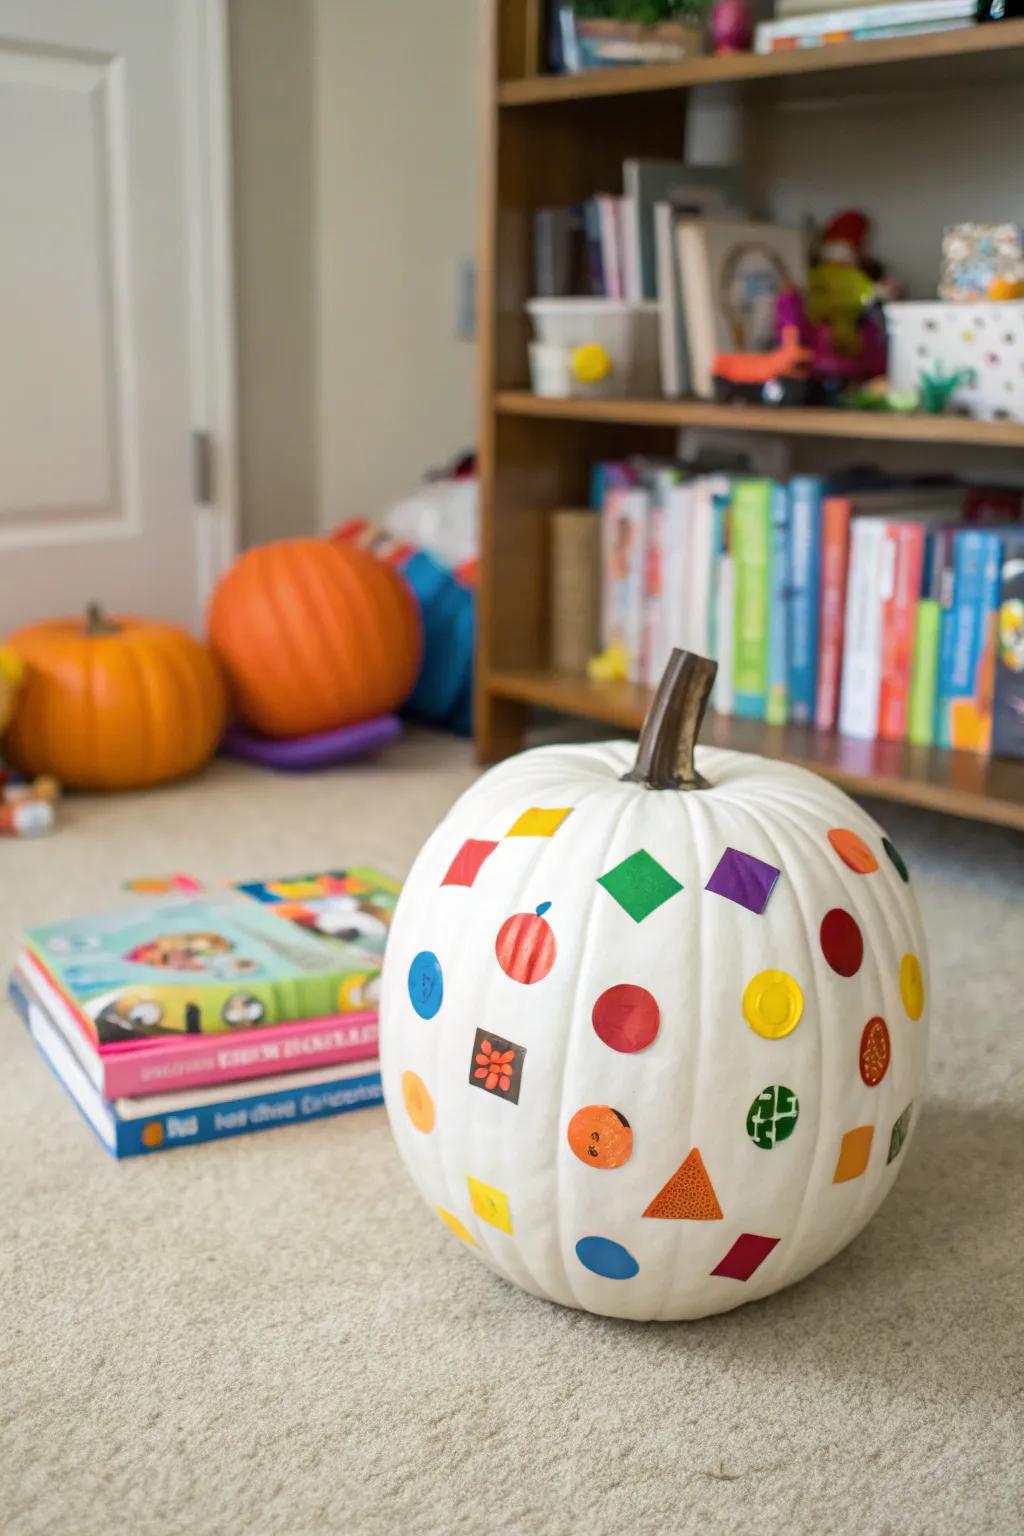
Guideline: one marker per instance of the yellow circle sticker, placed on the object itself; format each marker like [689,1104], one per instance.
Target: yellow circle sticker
[591,363]
[912,986]
[419,1106]
[773,1004]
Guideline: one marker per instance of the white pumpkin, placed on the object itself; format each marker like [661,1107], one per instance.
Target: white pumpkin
[654,1051]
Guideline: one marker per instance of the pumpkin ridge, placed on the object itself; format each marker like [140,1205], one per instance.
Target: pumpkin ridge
[280,649]
[190,701]
[343,629]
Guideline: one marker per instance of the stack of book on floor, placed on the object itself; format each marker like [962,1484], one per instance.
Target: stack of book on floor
[889,609]
[814,23]
[173,1022]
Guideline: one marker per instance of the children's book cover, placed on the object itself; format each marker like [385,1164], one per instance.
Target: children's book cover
[1008,728]
[968,665]
[224,963]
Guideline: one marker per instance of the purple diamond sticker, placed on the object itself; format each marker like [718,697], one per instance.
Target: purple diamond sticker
[741,878]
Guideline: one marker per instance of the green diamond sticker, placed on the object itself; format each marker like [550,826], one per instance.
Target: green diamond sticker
[639,884]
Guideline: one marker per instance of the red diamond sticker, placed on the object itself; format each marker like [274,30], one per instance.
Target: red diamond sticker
[747,1253]
[468,862]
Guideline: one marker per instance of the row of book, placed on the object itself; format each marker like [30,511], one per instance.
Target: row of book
[887,610]
[860,23]
[171,1022]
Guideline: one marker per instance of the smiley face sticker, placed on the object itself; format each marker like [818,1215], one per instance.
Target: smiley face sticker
[600,1136]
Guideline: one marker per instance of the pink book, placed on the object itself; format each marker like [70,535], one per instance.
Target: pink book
[131,1069]
[899,616]
[835,549]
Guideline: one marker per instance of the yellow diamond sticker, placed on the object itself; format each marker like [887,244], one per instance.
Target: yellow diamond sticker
[490,1204]
[773,1004]
[455,1225]
[537,822]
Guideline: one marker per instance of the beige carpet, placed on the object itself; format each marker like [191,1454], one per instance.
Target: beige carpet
[272,1335]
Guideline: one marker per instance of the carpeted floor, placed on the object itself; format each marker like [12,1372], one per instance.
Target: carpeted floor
[271,1335]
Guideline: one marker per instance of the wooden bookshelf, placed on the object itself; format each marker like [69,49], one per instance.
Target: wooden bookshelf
[557,139]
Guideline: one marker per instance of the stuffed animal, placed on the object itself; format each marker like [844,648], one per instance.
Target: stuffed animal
[26,810]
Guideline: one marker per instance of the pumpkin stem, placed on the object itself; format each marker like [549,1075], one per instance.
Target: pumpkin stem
[96,621]
[664,757]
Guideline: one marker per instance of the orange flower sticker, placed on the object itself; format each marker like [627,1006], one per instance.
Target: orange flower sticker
[496,1066]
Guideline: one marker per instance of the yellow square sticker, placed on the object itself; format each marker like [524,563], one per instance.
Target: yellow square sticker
[537,822]
[490,1204]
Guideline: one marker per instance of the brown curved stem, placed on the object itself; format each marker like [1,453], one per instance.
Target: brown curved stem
[664,756]
[96,621]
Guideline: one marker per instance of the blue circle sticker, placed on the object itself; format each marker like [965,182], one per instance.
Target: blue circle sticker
[609,1260]
[426,984]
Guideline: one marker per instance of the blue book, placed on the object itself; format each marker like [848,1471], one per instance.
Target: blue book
[967,642]
[156,1123]
[804,594]
[777,704]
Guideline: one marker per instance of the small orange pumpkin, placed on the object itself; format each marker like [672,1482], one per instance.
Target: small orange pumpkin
[314,634]
[114,703]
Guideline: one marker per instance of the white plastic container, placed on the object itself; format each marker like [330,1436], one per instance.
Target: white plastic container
[986,337]
[589,348]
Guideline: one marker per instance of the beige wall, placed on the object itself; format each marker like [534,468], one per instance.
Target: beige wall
[272,83]
[397,155]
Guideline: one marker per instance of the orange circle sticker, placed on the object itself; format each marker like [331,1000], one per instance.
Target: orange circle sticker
[600,1136]
[853,851]
[153,1134]
[419,1106]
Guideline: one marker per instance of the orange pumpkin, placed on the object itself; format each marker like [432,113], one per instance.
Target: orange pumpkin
[114,703]
[314,634]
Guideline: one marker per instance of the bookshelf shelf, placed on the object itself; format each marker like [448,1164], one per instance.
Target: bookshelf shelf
[979,53]
[959,783]
[790,421]
[551,140]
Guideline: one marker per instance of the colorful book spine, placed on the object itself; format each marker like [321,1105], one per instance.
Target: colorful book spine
[862,652]
[592,235]
[835,549]
[777,704]
[1008,721]
[751,551]
[804,584]
[653,629]
[725,605]
[609,224]
[906,542]
[130,1069]
[967,678]
[924,668]
[623,563]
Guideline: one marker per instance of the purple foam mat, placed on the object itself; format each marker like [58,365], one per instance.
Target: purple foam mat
[295,753]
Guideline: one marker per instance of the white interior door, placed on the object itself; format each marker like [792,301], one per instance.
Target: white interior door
[115,306]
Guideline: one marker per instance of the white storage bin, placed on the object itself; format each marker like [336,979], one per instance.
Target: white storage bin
[987,337]
[587,348]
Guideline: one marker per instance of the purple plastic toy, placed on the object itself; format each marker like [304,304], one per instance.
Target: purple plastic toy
[294,754]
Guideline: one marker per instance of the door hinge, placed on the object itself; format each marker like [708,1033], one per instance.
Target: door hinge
[202,468]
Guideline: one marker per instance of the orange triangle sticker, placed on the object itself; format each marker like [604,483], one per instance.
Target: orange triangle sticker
[689,1194]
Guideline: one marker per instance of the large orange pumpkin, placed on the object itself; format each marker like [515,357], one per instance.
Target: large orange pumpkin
[114,703]
[314,634]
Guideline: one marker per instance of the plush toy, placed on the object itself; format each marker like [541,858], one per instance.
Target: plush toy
[114,703]
[653,1027]
[26,809]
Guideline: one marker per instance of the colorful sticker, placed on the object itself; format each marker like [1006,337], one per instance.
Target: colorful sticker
[468,862]
[912,986]
[897,862]
[875,1052]
[490,1204]
[626,1017]
[854,1151]
[609,1260]
[153,1134]
[419,1106]
[526,947]
[640,885]
[689,1194]
[842,942]
[426,984]
[747,1253]
[539,823]
[772,1117]
[742,878]
[773,1004]
[164,885]
[853,851]
[600,1136]
[453,1224]
[496,1066]
[899,1134]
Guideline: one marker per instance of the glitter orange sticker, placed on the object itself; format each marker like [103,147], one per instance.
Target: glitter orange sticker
[875,1051]
[600,1136]
[419,1106]
[853,851]
[689,1194]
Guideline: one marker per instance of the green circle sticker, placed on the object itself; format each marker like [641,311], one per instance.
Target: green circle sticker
[772,1117]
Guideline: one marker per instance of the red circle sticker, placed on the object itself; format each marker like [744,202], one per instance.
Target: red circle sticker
[842,943]
[875,1052]
[626,1018]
